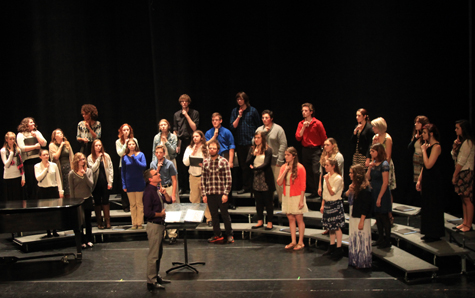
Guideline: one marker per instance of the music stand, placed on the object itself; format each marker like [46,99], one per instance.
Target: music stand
[184,216]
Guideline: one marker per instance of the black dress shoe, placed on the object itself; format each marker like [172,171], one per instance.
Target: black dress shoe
[151,287]
[242,191]
[163,281]
[55,234]
[231,206]
[126,209]
[210,223]
[172,241]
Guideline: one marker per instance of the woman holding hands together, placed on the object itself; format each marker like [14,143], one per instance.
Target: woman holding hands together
[293,178]
[332,207]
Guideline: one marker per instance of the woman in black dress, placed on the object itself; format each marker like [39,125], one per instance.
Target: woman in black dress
[362,138]
[429,184]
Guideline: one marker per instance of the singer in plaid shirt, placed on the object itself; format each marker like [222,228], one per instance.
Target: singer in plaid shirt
[216,184]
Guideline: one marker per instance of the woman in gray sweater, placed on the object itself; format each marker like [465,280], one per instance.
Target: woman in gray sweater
[80,186]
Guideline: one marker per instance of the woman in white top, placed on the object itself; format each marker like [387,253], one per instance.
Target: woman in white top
[13,174]
[30,141]
[125,132]
[463,154]
[330,150]
[332,207]
[49,181]
[197,149]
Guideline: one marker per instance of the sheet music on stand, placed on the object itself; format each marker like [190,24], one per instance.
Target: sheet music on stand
[183,213]
[194,215]
[173,216]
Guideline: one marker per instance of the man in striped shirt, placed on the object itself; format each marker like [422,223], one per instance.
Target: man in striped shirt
[216,184]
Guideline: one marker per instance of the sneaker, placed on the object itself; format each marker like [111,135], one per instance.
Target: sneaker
[215,239]
[230,239]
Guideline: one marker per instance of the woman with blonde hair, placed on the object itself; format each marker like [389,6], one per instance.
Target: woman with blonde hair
[292,177]
[81,182]
[103,172]
[169,140]
[382,137]
[13,173]
[330,150]
[61,153]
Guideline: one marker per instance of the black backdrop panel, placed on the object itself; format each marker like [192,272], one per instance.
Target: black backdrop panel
[133,59]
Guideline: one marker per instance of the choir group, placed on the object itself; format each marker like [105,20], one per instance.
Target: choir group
[266,167]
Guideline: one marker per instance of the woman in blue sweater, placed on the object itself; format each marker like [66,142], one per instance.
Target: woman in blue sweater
[133,166]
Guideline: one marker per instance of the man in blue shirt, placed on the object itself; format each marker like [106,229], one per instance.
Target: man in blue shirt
[168,180]
[244,122]
[226,142]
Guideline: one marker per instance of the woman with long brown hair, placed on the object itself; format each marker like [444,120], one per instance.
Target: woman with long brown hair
[197,149]
[293,177]
[463,154]
[133,166]
[378,174]
[429,184]
[61,153]
[362,137]
[359,198]
[30,141]
[332,207]
[259,159]
[101,165]
[417,160]
[126,132]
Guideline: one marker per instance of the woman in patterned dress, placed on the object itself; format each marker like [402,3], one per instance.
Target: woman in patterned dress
[463,154]
[259,160]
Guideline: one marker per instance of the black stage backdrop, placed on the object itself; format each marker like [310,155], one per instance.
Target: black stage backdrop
[133,59]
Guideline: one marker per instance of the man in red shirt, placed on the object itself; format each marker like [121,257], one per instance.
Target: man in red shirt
[311,134]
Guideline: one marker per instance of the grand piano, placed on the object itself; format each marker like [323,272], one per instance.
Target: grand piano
[42,215]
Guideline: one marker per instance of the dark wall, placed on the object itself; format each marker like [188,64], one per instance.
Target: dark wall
[133,59]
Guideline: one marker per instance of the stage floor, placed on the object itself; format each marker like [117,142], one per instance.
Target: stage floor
[258,268]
